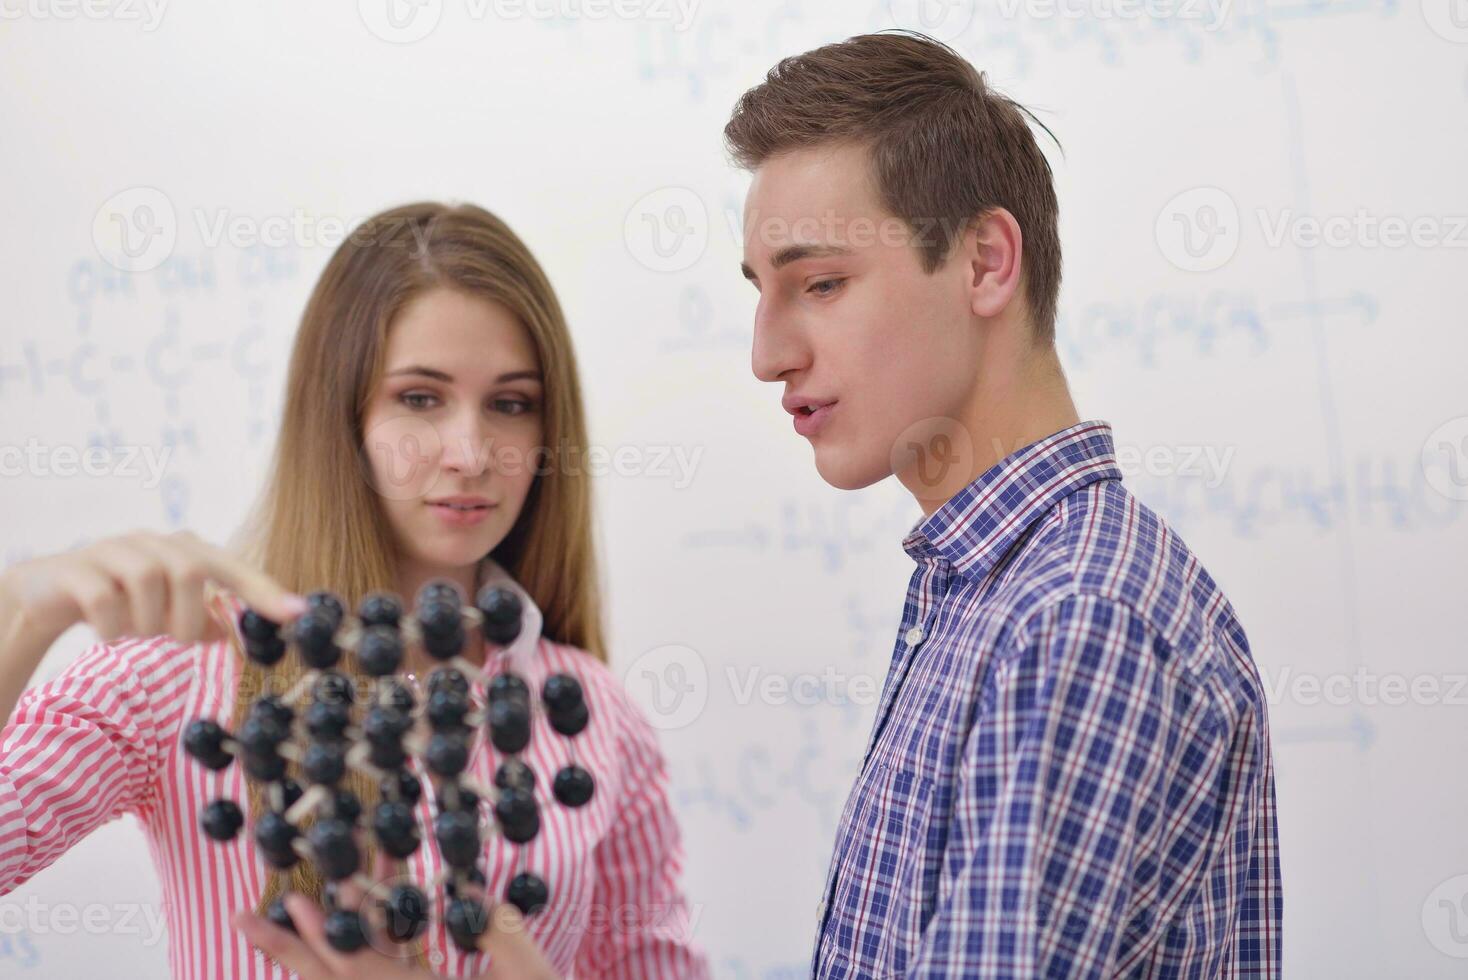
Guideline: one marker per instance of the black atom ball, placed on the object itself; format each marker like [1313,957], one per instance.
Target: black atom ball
[273,710]
[528,893]
[448,679]
[328,721]
[440,590]
[501,610]
[333,687]
[345,931]
[380,609]
[335,851]
[401,784]
[222,820]
[457,833]
[397,832]
[562,693]
[254,626]
[571,722]
[266,653]
[513,772]
[518,816]
[204,742]
[507,685]
[407,913]
[277,914]
[380,651]
[325,762]
[573,786]
[448,754]
[466,920]
[315,636]
[509,725]
[328,604]
[273,836]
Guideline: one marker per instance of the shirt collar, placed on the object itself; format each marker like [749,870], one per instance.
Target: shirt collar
[976,526]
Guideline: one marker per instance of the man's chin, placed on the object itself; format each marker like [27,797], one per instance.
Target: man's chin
[845,473]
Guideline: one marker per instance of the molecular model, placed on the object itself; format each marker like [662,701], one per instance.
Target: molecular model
[331,734]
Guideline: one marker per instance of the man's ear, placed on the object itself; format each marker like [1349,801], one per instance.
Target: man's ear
[992,250]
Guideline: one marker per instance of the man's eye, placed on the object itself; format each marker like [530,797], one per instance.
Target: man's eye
[819,287]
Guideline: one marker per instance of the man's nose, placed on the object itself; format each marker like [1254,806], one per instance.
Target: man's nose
[779,346]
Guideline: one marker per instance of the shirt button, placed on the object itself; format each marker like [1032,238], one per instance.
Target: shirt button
[914,636]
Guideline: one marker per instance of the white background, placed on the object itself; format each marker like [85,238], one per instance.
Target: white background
[1329,377]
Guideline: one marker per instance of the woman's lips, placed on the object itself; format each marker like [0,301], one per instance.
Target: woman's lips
[461,516]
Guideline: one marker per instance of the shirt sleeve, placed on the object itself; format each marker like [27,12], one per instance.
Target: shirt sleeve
[1084,806]
[85,748]
[644,931]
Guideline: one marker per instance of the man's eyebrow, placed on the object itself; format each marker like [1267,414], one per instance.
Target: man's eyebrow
[438,375]
[794,253]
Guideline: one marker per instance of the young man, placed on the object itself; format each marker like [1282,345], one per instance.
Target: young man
[1069,774]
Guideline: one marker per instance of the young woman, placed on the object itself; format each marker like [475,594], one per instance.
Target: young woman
[431,392]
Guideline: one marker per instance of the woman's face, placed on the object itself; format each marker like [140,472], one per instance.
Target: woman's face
[452,430]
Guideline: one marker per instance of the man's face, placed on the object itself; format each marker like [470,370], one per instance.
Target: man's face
[847,316]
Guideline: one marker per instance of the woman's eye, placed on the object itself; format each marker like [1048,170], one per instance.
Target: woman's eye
[819,290]
[512,406]
[415,399]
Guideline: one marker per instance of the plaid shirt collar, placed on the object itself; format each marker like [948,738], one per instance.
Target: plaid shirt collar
[977,526]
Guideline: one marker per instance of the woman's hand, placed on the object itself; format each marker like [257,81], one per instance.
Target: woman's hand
[140,584]
[514,955]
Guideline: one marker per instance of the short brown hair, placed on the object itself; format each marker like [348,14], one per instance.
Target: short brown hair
[945,147]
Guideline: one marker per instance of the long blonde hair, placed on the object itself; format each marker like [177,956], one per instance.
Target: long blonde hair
[319,523]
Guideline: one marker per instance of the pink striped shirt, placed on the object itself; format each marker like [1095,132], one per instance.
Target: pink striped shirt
[103,739]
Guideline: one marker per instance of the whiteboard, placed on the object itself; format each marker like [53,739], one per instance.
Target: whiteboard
[1200,144]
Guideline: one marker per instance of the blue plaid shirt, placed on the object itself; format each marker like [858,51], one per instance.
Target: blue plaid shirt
[1069,774]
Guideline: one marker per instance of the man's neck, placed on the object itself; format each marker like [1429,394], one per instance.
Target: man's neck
[1010,410]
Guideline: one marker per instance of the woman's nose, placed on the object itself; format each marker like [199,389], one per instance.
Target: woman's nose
[468,446]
